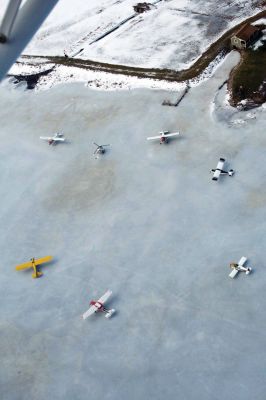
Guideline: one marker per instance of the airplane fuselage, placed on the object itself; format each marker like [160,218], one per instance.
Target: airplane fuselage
[97,304]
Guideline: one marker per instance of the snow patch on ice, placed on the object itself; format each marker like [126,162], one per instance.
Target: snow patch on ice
[101,80]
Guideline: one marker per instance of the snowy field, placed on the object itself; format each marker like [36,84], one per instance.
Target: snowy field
[147,222]
[172,34]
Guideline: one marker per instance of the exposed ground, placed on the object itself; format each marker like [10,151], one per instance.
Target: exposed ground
[249,77]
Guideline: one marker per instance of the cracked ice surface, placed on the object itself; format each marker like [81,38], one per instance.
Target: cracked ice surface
[147,222]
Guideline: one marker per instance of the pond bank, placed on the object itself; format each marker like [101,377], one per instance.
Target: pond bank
[221,46]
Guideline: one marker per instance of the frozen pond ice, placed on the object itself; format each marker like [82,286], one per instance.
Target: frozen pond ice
[145,221]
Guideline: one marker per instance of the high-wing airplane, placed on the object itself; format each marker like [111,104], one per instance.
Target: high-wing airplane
[239,267]
[219,170]
[98,306]
[100,148]
[58,137]
[163,137]
[33,264]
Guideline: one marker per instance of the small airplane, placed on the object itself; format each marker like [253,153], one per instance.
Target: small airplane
[163,137]
[33,264]
[219,170]
[100,148]
[58,137]
[98,306]
[239,268]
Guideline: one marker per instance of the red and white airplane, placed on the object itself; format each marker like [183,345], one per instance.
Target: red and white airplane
[239,267]
[98,306]
[58,137]
[163,137]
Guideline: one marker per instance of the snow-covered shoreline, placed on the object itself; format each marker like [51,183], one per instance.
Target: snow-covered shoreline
[106,81]
[116,81]
[172,34]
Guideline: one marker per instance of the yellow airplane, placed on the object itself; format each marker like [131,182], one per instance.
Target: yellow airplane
[33,264]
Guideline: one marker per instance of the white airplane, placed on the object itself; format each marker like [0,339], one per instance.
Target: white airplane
[98,306]
[100,148]
[58,137]
[163,137]
[239,268]
[219,170]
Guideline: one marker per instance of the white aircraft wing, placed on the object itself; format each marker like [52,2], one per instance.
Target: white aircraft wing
[233,273]
[242,261]
[218,169]
[58,139]
[154,137]
[46,138]
[89,312]
[216,175]
[220,164]
[18,26]
[171,134]
[105,297]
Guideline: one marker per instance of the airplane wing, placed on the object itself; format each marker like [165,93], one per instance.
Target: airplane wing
[58,139]
[105,297]
[43,260]
[171,134]
[46,138]
[220,164]
[89,312]
[18,26]
[154,137]
[242,261]
[233,273]
[216,175]
[218,169]
[25,265]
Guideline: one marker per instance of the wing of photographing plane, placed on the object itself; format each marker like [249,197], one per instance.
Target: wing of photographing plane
[18,26]
[89,312]
[105,297]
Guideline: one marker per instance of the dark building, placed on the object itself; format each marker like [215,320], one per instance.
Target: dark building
[245,36]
